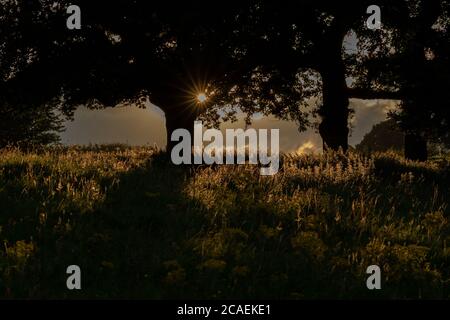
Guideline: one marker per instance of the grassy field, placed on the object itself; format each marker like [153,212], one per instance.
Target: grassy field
[140,227]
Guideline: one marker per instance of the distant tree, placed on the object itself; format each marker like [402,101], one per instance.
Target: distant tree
[23,126]
[383,136]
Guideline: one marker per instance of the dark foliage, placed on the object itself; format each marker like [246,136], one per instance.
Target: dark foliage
[23,126]
[384,136]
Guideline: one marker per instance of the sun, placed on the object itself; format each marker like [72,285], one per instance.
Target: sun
[201,97]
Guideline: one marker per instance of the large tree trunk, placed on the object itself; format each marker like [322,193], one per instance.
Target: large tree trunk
[416,144]
[180,113]
[334,112]
[415,147]
[334,126]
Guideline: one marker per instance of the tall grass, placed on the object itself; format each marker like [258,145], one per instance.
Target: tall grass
[141,227]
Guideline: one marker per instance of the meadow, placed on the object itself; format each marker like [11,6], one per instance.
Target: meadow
[140,227]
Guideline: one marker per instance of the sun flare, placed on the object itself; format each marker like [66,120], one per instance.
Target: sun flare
[201,97]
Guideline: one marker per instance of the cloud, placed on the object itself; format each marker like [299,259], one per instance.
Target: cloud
[367,114]
[307,147]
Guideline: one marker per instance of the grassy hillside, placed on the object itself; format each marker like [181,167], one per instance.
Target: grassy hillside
[141,228]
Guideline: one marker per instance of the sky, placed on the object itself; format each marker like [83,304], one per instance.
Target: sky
[135,126]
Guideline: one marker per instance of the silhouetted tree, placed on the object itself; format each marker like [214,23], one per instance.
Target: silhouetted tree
[383,136]
[24,126]
[125,52]
[410,60]
[387,64]
[304,64]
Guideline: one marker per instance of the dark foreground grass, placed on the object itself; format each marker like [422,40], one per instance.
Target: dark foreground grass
[141,228]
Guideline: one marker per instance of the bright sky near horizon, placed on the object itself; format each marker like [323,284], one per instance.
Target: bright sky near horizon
[136,126]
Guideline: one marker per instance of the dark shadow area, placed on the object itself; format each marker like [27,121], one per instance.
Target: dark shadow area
[125,247]
[120,246]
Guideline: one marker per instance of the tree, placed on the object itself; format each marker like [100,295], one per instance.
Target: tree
[24,126]
[125,52]
[312,35]
[412,64]
[384,136]
[292,55]
[424,112]
[303,61]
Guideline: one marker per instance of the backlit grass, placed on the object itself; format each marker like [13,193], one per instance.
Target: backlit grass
[140,227]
